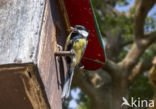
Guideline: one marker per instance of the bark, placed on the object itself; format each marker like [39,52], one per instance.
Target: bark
[113,47]
[29,33]
[152,79]
[119,90]
[97,85]
[142,8]
[138,69]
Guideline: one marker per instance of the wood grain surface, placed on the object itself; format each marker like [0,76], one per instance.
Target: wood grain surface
[29,33]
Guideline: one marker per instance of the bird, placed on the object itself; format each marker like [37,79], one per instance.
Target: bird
[76,42]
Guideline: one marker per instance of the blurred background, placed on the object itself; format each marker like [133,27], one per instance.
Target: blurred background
[128,30]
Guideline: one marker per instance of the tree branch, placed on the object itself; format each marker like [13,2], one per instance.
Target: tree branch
[132,7]
[80,75]
[138,69]
[142,8]
[152,73]
[127,43]
[108,9]
[149,38]
[112,68]
[114,44]
[138,49]
[94,84]
[133,55]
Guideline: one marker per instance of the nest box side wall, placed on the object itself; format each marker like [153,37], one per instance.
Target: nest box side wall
[52,68]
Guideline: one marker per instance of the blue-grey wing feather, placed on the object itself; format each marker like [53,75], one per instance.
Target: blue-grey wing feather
[84,48]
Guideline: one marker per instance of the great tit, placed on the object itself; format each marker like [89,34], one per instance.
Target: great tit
[76,42]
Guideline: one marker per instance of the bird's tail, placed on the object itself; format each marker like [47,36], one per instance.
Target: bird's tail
[67,83]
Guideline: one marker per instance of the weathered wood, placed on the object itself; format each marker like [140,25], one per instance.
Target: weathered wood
[53,33]
[20,25]
[29,33]
[20,87]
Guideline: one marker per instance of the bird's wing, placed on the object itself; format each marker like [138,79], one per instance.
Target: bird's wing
[67,41]
[84,48]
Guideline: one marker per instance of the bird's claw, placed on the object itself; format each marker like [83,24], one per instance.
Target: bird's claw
[71,29]
[82,67]
[60,47]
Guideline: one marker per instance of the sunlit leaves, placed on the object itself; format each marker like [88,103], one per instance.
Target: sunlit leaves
[123,2]
[86,104]
[141,88]
[150,24]
[149,53]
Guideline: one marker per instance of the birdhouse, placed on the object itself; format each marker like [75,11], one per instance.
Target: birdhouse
[31,76]
[29,33]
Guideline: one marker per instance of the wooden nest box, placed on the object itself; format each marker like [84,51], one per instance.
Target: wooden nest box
[31,77]
[29,33]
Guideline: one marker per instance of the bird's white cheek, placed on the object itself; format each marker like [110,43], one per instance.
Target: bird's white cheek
[84,33]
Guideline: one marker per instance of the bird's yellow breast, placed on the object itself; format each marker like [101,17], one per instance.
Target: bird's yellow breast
[78,48]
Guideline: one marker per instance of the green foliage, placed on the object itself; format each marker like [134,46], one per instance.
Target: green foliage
[123,54]
[65,104]
[150,24]
[112,22]
[141,88]
[123,2]
[86,104]
[149,53]
[83,101]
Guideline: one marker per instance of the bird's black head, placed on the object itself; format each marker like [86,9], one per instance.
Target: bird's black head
[81,30]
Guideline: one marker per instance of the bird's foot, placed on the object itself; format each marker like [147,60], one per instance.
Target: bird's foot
[60,47]
[70,29]
[72,51]
[81,66]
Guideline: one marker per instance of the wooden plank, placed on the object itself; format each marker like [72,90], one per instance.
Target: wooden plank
[20,87]
[29,33]
[20,25]
[52,73]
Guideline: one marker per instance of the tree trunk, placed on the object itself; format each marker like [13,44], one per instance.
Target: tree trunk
[106,96]
[152,79]
[104,100]
[112,98]
[118,92]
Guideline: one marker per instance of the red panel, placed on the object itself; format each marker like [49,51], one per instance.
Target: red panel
[80,13]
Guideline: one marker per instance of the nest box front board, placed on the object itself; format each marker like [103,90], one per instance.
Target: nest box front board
[80,12]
